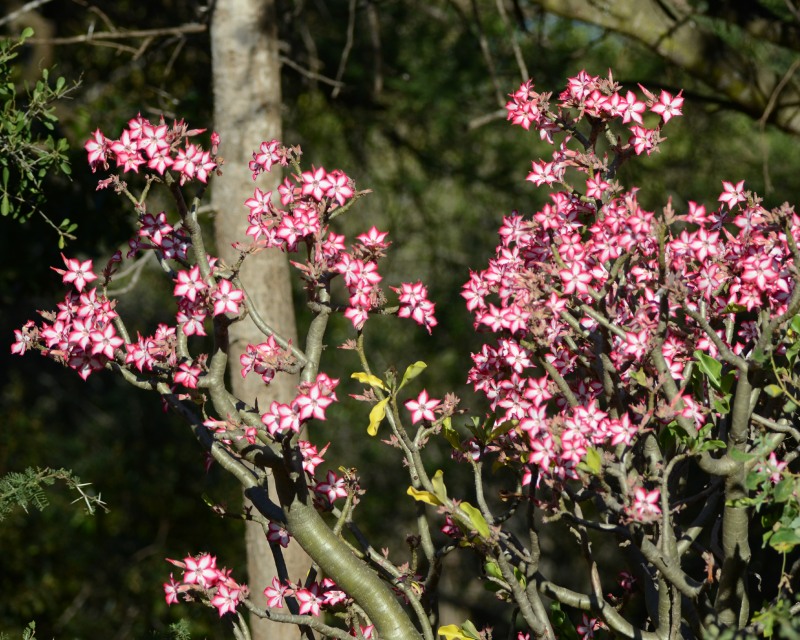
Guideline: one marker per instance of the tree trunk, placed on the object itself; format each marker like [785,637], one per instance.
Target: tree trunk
[247,111]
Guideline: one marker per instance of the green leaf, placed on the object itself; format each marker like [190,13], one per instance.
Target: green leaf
[470,630]
[773,390]
[563,625]
[476,518]
[369,379]
[27,32]
[784,490]
[795,324]
[741,456]
[723,405]
[710,445]
[593,461]
[5,205]
[376,416]
[641,377]
[711,367]
[424,496]
[492,570]
[784,540]
[412,371]
[502,429]
[450,434]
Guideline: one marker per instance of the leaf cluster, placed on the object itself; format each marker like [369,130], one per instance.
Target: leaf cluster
[29,146]
[26,490]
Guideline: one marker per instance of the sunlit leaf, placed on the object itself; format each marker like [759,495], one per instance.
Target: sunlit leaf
[376,416]
[412,371]
[424,496]
[369,379]
[438,485]
[476,518]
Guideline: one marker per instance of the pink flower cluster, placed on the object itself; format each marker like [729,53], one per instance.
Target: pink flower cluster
[201,574]
[312,599]
[196,298]
[81,334]
[581,277]
[310,403]
[309,200]
[154,145]
[155,233]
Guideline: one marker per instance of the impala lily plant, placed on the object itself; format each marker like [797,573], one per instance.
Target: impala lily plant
[640,369]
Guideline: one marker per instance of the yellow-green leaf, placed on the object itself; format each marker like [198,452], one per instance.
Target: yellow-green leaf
[412,372]
[438,485]
[450,434]
[469,628]
[452,632]
[493,570]
[476,518]
[424,496]
[368,378]
[376,416]
[593,461]
[773,390]
[465,632]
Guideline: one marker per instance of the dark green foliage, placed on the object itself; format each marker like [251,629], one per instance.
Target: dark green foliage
[27,490]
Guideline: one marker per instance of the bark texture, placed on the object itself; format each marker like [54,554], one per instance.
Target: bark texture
[247,111]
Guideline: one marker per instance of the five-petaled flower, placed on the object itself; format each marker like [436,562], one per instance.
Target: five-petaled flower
[422,408]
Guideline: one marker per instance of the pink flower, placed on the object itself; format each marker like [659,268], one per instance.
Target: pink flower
[337,187]
[312,458]
[632,108]
[332,488]
[278,535]
[171,590]
[281,419]
[668,106]
[575,278]
[587,627]
[314,400]
[187,375]
[105,340]
[596,186]
[226,299]
[309,600]
[645,504]
[422,408]
[732,193]
[313,183]
[97,148]
[414,304]
[201,570]
[275,594]
[189,284]
[226,599]
[78,273]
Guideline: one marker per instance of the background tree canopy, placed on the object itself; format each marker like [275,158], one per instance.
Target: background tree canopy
[406,96]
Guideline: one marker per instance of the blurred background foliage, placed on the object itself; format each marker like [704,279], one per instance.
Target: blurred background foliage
[406,97]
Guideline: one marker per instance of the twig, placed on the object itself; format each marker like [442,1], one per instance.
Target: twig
[348,46]
[192,27]
[309,73]
[25,8]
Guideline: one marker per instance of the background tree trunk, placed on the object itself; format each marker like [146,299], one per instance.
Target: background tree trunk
[247,110]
